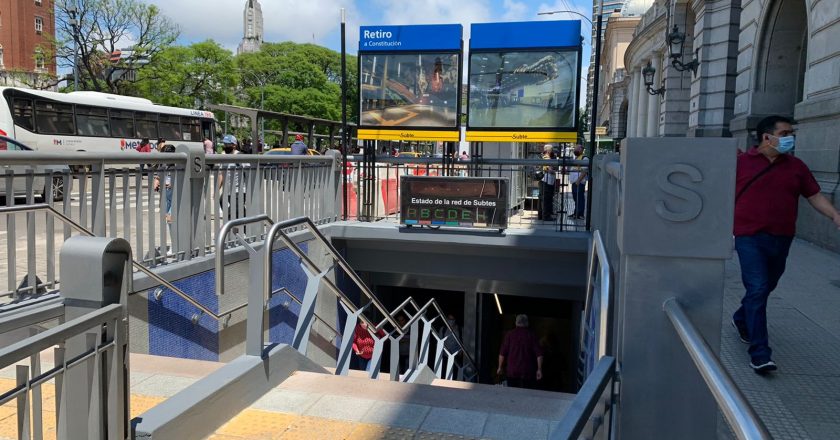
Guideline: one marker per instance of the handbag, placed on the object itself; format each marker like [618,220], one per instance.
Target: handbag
[539,174]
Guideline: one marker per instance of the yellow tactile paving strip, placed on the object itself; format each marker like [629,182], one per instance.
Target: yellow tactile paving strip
[250,424]
[254,424]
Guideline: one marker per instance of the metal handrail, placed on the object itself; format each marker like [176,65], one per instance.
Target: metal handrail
[419,313]
[139,266]
[476,161]
[584,403]
[220,245]
[297,300]
[599,254]
[736,409]
[277,229]
[614,169]
[37,343]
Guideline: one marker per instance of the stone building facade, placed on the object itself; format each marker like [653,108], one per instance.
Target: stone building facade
[612,111]
[757,58]
[27,29]
[252,26]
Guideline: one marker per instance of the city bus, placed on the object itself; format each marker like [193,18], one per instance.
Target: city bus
[96,122]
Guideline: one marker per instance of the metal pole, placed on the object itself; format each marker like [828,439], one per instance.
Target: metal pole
[594,118]
[345,137]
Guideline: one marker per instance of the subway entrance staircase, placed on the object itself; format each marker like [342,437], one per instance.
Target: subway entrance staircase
[277,392]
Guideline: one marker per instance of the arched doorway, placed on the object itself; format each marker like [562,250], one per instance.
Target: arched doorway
[782,58]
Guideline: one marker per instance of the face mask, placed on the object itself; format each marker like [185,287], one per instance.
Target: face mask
[786,144]
[228,150]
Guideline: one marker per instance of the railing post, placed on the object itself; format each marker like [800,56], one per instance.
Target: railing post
[97,210]
[95,272]
[674,235]
[307,309]
[189,200]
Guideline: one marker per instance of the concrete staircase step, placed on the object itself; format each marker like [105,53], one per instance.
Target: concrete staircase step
[443,394]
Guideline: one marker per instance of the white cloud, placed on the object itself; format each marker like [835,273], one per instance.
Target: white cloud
[516,11]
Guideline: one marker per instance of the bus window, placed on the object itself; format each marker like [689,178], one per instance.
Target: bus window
[22,113]
[92,121]
[170,127]
[122,124]
[191,128]
[207,129]
[54,118]
[146,125]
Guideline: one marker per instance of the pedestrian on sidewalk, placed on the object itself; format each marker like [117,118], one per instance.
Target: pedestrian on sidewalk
[521,358]
[235,191]
[578,177]
[546,207]
[768,185]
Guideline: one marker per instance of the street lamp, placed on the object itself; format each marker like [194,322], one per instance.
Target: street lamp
[72,11]
[566,12]
[648,73]
[676,44]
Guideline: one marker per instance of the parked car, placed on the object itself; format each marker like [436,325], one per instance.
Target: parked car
[39,184]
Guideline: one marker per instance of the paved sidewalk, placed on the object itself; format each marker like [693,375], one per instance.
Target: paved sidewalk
[802,399]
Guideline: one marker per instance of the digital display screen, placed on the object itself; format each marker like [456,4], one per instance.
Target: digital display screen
[523,89]
[409,90]
[454,201]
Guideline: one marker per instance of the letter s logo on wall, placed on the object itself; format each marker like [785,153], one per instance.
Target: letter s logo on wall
[198,166]
[692,198]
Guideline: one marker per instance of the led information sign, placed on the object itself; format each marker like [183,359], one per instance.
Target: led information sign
[409,82]
[466,202]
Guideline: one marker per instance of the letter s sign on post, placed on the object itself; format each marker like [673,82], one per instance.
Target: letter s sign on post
[691,198]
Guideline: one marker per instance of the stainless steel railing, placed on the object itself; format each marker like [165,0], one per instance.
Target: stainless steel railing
[137,265]
[738,412]
[596,328]
[114,194]
[593,407]
[375,190]
[104,356]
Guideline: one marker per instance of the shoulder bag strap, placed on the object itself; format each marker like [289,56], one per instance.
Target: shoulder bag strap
[754,178]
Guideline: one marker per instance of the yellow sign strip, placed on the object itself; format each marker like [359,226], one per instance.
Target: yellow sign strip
[409,135]
[521,136]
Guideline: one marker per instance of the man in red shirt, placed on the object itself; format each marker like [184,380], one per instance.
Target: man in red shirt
[523,354]
[768,185]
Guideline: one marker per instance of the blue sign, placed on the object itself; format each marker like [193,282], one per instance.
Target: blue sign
[433,37]
[525,35]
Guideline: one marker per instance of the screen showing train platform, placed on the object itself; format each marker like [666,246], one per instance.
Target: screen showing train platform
[470,202]
[409,90]
[523,89]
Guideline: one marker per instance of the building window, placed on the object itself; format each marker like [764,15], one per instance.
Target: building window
[39,24]
[1,56]
[40,61]
[37,2]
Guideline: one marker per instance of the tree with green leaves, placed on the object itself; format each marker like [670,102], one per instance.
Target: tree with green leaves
[301,79]
[189,76]
[89,32]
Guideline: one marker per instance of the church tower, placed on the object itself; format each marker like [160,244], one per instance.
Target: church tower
[253,26]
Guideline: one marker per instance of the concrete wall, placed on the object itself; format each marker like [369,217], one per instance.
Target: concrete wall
[165,326]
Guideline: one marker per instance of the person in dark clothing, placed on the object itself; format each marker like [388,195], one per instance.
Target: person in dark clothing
[546,208]
[521,358]
[298,147]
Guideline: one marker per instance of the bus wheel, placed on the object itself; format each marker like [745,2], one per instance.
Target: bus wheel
[57,189]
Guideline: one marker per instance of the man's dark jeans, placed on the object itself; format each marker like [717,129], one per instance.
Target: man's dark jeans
[546,210]
[579,194]
[762,258]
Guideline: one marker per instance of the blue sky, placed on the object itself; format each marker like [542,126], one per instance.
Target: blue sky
[318,21]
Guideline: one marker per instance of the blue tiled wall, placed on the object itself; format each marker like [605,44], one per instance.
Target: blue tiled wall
[172,333]
[285,272]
